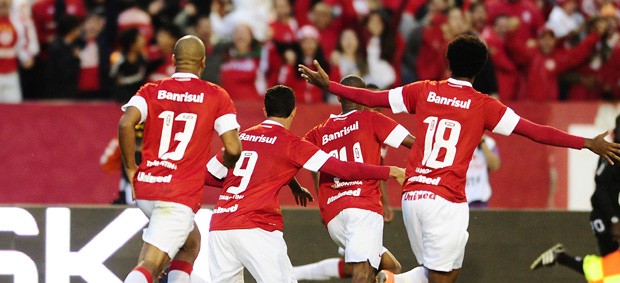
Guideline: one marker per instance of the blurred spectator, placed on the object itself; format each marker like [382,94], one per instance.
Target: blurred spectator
[227,14]
[430,61]
[349,56]
[610,71]
[545,62]
[163,12]
[385,48]
[506,71]
[283,33]
[134,17]
[91,80]
[484,160]
[565,19]
[310,50]
[241,72]
[21,17]
[213,52]
[160,54]
[63,67]
[128,71]
[475,19]
[587,80]
[11,45]
[329,23]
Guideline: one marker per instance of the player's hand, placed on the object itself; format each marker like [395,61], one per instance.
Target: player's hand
[615,231]
[131,172]
[302,196]
[388,214]
[607,150]
[318,78]
[398,174]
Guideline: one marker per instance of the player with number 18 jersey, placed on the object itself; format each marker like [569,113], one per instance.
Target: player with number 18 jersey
[180,114]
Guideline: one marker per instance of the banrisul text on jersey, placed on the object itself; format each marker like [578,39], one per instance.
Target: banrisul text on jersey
[454,102]
[180,97]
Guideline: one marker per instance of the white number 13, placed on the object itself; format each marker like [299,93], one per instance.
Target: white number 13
[434,141]
[182,137]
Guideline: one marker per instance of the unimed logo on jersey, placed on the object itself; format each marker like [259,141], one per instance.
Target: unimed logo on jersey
[99,245]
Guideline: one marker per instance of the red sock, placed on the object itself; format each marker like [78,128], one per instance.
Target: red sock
[145,272]
[182,266]
[341,269]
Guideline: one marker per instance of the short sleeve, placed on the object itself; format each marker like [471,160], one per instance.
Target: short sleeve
[216,167]
[499,118]
[404,99]
[387,130]
[226,116]
[304,154]
[139,102]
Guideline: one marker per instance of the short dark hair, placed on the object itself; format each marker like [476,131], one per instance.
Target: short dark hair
[354,81]
[279,101]
[128,38]
[466,54]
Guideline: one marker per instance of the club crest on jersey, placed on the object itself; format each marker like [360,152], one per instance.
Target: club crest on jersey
[345,131]
[454,102]
[180,97]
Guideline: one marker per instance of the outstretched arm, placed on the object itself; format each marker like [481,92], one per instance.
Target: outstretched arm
[552,136]
[359,95]
[232,148]
[360,171]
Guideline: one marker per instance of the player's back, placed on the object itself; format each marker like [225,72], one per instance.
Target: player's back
[450,117]
[270,159]
[181,114]
[355,136]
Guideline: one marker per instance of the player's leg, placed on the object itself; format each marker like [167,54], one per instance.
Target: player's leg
[323,270]
[224,266]
[265,256]
[389,262]
[360,232]
[183,263]
[168,229]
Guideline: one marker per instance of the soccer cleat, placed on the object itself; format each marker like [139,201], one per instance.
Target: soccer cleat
[548,258]
[385,276]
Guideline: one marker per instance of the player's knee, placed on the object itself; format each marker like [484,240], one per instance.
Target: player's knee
[363,272]
[192,244]
[390,263]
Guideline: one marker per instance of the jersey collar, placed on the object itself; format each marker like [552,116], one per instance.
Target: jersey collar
[459,83]
[272,122]
[342,115]
[184,75]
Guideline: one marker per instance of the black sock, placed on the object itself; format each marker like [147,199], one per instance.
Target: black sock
[573,262]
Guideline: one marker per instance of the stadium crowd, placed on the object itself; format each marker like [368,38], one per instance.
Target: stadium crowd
[541,50]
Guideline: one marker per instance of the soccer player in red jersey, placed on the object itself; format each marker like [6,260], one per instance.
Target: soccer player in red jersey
[180,114]
[451,117]
[352,210]
[246,226]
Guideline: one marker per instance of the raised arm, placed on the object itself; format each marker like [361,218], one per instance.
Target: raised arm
[552,136]
[127,140]
[359,95]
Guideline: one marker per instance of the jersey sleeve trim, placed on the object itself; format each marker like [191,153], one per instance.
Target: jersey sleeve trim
[140,103]
[396,137]
[316,161]
[226,123]
[216,168]
[397,102]
[507,123]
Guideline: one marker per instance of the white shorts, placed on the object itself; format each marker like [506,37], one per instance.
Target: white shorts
[10,89]
[169,224]
[360,233]
[437,229]
[263,253]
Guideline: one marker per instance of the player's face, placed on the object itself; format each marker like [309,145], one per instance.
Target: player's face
[322,15]
[242,36]
[349,42]
[283,8]
[5,6]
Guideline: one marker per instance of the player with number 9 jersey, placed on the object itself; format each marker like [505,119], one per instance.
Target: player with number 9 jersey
[180,115]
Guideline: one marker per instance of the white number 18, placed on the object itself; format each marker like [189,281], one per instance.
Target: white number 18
[434,141]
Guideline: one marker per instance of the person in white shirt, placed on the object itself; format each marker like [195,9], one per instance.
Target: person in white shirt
[485,160]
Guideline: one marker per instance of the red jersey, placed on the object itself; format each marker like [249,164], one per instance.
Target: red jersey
[243,78]
[180,114]
[271,157]
[355,136]
[8,47]
[450,117]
